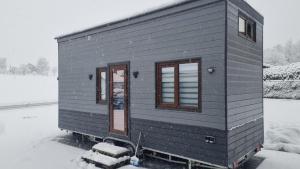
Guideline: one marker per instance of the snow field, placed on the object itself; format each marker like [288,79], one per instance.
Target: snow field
[282,125]
[30,139]
[16,89]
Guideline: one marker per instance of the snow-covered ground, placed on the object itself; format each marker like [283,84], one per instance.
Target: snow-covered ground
[282,125]
[16,89]
[30,139]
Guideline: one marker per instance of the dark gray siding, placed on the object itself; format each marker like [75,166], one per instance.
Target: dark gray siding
[244,84]
[192,30]
[83,122]
[244,73]
[244,139]
[188,141]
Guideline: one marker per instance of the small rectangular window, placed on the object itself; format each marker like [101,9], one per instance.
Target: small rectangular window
[101,85]
[247,27]
[178,85]
[242,25]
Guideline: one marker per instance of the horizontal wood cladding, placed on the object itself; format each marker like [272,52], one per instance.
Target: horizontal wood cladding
[193,30]
[247,8]
[83,122]
[244,84]
[184,140]
[244,139]
[244,69]
[150,16]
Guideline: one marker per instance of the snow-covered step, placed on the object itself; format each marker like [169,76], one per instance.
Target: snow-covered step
[130,167]
[104,161]
[111,150]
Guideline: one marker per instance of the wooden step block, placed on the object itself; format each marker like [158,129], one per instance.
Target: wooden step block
[104,161]
[110,150]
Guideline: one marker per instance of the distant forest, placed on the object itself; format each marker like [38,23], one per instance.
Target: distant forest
[283,54]
[41,67]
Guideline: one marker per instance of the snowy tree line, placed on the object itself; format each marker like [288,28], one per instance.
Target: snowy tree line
[42,67]
[283,54]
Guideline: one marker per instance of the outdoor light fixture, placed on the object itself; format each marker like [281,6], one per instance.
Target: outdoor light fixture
[135,74]
[90,76]
[211,69]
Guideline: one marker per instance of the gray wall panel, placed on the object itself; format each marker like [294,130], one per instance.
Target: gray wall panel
[188,141]
[195,33]
[244,84]
[83,122]
[244,65]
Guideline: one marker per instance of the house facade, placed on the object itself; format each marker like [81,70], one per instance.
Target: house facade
[187,76]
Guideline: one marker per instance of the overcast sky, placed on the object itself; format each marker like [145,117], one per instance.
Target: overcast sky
[27,28]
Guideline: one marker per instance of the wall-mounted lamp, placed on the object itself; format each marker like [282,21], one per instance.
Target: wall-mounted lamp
[57,78]
[90,76]
[135,74]
[211,69]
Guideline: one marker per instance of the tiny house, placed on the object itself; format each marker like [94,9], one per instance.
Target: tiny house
[187,76]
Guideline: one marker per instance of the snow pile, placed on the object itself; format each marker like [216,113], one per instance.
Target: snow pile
[28,89]
[83,165]
[287,72]
[276,160]
[282,125]
[283,138]
[282,89]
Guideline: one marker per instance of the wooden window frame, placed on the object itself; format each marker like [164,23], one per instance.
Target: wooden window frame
[253,26]
[98,85]
[176,105]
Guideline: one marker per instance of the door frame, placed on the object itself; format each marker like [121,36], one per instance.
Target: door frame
[112,132]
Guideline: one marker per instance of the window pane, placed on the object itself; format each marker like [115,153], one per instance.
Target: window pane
[242,25]
[103,85]
[167,80]
[188,87]
[249,30]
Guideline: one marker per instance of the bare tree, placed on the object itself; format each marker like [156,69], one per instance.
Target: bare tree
[13,70]
[54,71]
[43,66]
[3,65]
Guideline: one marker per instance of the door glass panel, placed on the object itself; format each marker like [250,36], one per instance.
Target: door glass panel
[118,100]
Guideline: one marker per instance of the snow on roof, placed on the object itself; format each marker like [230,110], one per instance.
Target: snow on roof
[134,14]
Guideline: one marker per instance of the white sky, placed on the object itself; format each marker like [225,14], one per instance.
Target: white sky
[27,28]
